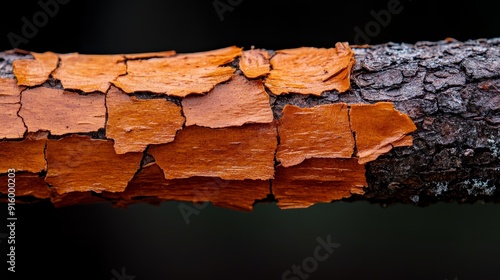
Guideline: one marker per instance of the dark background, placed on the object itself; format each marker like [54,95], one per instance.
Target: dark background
[443,241]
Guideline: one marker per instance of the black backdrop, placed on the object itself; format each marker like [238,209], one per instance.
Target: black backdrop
[443,241]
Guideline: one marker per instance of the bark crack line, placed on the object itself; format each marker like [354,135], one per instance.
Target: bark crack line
[44,174]
[275,161]
[355,148]
[107,111]
[19,110]
[57,67]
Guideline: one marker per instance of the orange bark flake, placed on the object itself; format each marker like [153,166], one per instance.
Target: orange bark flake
[255,63]
[27,184]
[135,123]
[232,153]
[12,124]
[149,55]
[234,194]
[33,72]
[319,132]
[379,128]
[89,73]
[74,198]
[318,180]
[234,103]
[179,75]
[9,91]
[311,70]
[78,164]
[62,112]
[26,155]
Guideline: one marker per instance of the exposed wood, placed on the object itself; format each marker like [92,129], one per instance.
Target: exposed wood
[405,123]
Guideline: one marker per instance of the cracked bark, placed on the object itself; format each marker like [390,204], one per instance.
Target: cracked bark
[449,89]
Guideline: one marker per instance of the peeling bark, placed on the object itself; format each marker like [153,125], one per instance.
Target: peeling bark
[318,132]
[10,104]
[34,72]
[89,73]
[423,121]
[135,123]
[62,112]
[255,63]
[234,103]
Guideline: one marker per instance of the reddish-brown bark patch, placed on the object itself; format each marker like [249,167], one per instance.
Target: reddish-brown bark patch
[255,63]
[318,180]
[379,128]
[74,198]
[149,55]
[88,72]
[150,182]
[319,132]
[135,123]
[26,155]
[179,75]
[12,124]
[232,153]
[33,72]
[79,163]
[237,102]
[27,185]
[62,112]
[311,70]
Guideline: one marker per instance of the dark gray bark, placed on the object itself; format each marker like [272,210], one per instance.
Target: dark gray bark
[451,90]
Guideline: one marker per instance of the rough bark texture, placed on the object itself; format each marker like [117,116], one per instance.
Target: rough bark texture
[449,89]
